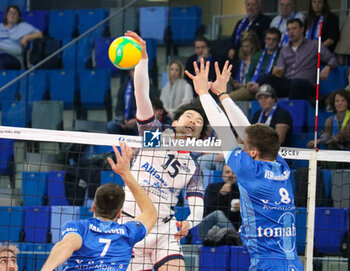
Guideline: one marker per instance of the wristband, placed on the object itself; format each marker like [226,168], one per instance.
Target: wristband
[222,93]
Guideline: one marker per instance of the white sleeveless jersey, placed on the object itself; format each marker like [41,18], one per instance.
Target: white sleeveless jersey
[163,174]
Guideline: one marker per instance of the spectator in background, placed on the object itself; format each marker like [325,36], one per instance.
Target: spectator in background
[221,204]
[159,112]
[125,110]
[202,50]
[8,258]
[254,20]
[319,11]
[249,46]
[337,127]
[294,76]
[262,63]
[177,90]
[287,11]
[273,115]
[14,37]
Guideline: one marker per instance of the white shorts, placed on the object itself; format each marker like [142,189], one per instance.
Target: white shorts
[159,247]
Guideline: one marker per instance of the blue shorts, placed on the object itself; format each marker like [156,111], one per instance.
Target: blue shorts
[275,265]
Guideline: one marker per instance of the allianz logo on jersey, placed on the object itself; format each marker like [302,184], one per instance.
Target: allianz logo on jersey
[154,139]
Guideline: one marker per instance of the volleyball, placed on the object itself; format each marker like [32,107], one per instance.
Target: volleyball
[124,52]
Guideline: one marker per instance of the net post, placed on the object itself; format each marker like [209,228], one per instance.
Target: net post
[311,200]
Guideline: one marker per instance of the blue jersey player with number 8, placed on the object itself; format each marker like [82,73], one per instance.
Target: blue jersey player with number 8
[100,243]
[268,228]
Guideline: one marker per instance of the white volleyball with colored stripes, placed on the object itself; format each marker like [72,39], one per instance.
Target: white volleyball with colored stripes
[124,52]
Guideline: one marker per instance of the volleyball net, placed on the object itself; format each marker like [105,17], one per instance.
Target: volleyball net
[49,177]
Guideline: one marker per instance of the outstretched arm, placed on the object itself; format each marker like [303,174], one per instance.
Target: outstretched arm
[141,82]
[148,216]
[237,118]
[216,116]
[62,251]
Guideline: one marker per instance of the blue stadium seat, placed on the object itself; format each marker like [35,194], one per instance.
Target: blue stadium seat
[85,212]
[101,55]
[14,114]
[153,22]
[298,111]
[94,86]
[337,79]
[239,259]
[37,223]
[299,140]
[69,55]
[327,180]
[185,21]
[108,176]
[331,224]
[11,223]
[55,188]
[321,119]
[211,176]
[22,4]
[195,238]
[84,53]
[61,215]
[34,187]
[38,86]
[151,50]
[1,14]
[214,258]
[8,94]
[37,18]
[62,86]
[254,106]
[88,18]
[301,216]
[6,154]
[62,23]
[35,255]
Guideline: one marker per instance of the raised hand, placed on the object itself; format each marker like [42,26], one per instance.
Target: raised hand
[140,40]
[200,79]
[220,84]
[123,161]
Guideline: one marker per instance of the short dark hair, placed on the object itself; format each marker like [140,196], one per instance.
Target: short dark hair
[274,31]
[195,107]
[202,38]
[264,139]
[341,92]
[4,20]
[109,199]
[295,20]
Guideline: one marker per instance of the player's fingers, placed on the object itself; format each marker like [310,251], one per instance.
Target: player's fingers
[217,70]
[116,152]
[207,67]
[111,162]
[195,66]
[202,68]
[225,65]
[189,74]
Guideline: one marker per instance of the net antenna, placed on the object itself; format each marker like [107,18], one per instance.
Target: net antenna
[311,200]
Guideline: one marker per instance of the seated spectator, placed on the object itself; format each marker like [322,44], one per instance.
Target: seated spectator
[294,76]
[14,37]
[319,11]
[287,11]
[221,204]
[254,21]
[262,63]
[125,110]
[8,258]
[273,115]
[337,127]
[177,90]
[249,46]
[159,112]
[202,50]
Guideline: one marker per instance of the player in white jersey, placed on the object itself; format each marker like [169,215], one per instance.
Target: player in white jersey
[268,228]
[163,174]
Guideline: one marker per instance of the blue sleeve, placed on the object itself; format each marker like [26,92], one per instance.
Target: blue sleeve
[72,227]
[137,231]
[241,164]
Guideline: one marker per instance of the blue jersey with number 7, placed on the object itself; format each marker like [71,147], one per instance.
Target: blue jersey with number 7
[267,206]
[106,245]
